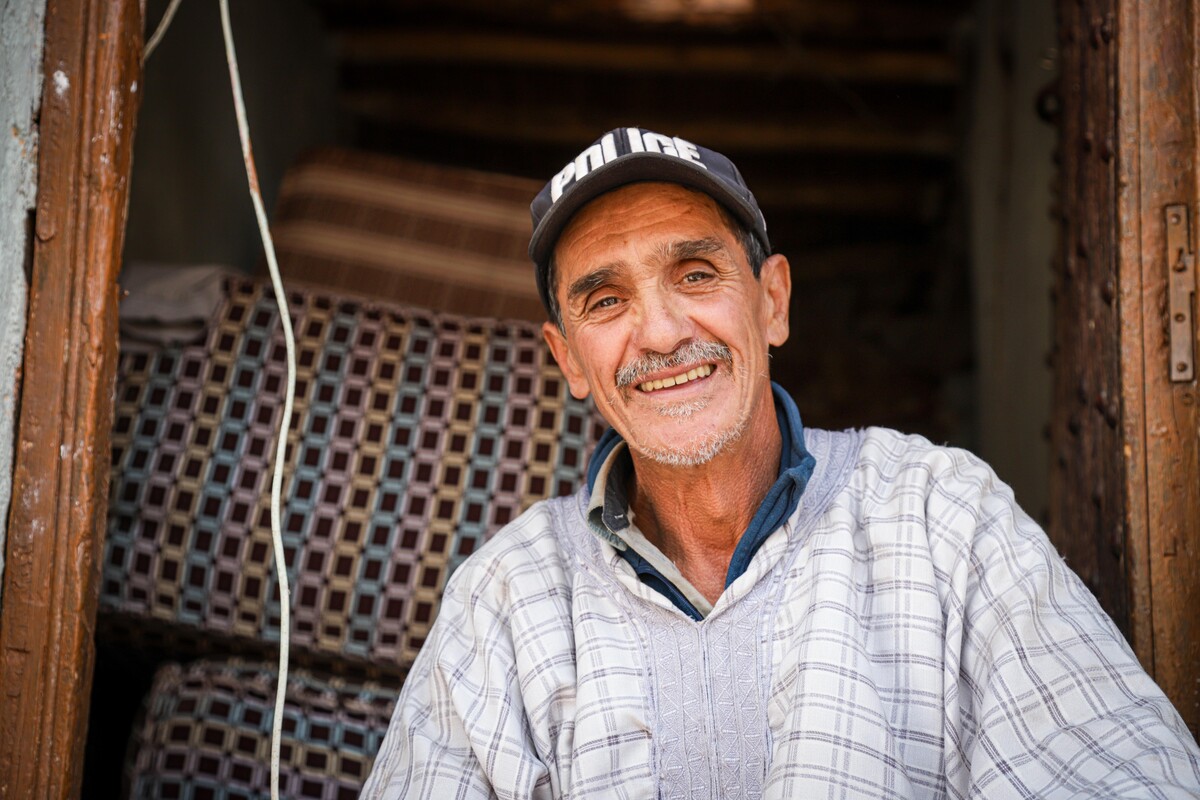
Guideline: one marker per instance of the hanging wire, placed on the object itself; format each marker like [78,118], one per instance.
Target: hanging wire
[161,30]
[289,396]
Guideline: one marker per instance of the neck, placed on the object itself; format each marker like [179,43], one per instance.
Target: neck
[696,515]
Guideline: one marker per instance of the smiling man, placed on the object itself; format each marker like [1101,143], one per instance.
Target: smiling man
[737,606]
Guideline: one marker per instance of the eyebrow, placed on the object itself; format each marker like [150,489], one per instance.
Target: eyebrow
[595,278]
[691,248]
[673,252]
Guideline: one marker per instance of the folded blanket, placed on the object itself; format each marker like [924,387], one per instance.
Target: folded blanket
[168,304]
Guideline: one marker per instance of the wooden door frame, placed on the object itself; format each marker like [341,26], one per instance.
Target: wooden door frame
[60,482]
[1157,134]
[91,68]
[1125,482]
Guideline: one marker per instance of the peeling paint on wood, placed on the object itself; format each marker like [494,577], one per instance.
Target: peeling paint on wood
[61,478]
[1126,489]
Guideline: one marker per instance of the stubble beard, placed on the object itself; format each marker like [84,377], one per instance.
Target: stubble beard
[698,453]
[692,454]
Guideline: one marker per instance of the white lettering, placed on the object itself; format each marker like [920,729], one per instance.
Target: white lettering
[657,143]
[688,151]
[605,152]
[558,182]
[588,160]
[609,145]
[635,140]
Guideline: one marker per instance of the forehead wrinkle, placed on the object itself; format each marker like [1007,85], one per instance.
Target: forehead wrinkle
[666,253]
[687,249]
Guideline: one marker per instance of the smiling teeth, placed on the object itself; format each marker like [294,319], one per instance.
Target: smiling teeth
[692,374]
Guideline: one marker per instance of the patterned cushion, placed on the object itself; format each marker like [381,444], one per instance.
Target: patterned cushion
[441,237]
[206,733]
[415,436]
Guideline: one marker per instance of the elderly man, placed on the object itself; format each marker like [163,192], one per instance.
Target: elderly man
[735,605]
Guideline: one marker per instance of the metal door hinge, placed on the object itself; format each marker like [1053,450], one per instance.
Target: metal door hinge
[1181,269]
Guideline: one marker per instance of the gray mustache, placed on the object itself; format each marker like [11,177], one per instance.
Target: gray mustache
[688,354]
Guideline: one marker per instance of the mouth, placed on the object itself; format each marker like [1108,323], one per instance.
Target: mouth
[685,376]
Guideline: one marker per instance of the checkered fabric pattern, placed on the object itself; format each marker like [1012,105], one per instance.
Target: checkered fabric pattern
[415,436]
[908,633]
[205,734]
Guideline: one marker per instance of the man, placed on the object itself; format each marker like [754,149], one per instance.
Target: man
[736,606]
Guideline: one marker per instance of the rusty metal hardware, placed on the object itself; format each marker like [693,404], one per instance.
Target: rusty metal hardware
[1181,270]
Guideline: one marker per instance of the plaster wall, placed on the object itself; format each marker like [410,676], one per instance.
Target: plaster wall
[22,34]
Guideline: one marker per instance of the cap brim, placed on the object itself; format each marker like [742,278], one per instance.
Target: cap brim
[634,168]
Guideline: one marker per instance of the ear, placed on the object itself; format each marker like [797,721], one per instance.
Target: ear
[557,343]
[776,280]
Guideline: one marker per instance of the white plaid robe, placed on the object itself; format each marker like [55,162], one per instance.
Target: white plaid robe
[908,633]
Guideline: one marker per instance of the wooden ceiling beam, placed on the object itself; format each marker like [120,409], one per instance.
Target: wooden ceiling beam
[857,262]
[871,20]
[567,128]
[408,46]
[893,21]
[921,200]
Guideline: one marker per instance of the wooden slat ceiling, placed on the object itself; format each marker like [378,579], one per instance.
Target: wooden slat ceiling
[848,107]
[864,21]
[845,116]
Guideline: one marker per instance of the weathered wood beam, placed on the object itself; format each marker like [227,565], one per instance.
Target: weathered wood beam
[881,197]
[566,127]
[849,20]
[856,262]
[1088,496]
[1125,499]
[438,46]
[869,19]
[60,484]
[1158,169]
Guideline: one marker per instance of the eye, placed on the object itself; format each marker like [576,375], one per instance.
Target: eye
[697,276]
[606,301]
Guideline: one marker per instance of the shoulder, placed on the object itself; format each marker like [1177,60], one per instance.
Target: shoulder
[947,497]
[891,455]
[980,540]
[886,458]
[954,484]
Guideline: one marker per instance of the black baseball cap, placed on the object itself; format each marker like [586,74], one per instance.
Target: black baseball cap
[631,155]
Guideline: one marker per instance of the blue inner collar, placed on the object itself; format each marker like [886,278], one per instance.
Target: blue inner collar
[795,468]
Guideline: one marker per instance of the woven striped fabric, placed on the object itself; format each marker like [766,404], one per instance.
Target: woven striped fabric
[415,436]
[205,732]
[445,238]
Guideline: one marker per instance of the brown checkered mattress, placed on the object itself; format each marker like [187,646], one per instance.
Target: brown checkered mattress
[205,732]
[416,436]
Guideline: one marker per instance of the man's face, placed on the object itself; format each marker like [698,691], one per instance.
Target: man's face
[664,322]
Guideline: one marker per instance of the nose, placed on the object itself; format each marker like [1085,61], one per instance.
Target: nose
[663,325]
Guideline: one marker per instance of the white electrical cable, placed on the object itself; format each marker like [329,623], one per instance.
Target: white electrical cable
[289,397]
[161,30]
